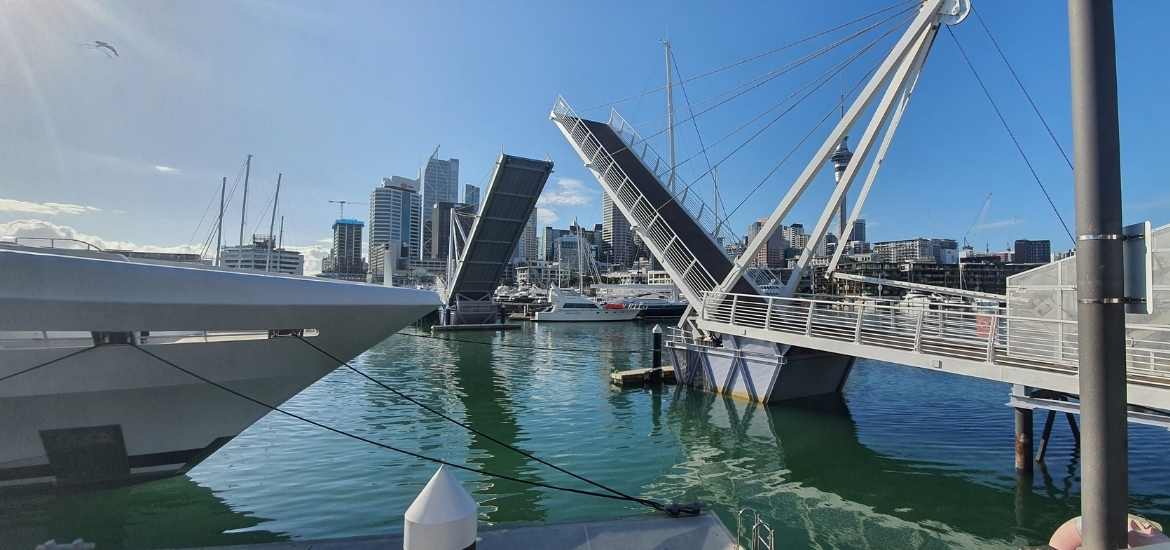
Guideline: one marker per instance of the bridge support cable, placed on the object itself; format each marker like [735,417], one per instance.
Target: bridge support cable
[1012,135]
[1020,83]
[772,75]
[888,138]
[903,4]
[808,135]
[892,101]
[916,37]
[702,146]
[800,94]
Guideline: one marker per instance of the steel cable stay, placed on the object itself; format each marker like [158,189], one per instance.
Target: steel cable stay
[809,89]
[816,86]
[906,4]
[672,509]
[832,71]
[776,167]
[1020,83]
[772,75]
[1011,134]
[705,104]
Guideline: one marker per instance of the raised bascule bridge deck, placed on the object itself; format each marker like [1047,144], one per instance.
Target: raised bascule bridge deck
[769,346]
[482,242]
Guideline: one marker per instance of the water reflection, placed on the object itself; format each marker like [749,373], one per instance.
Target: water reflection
[488,408]
[129,517]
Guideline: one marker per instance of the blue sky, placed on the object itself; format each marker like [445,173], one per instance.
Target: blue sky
[130,149]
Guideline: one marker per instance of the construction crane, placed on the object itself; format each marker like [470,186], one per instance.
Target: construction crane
[341,207]
[978,220]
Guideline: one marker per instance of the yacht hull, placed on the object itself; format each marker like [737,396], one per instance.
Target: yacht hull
[113,414]
[587,315]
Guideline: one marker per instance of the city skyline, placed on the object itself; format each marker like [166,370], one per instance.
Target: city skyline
[170,160]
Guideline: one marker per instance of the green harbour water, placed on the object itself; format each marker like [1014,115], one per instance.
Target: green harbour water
[905,458]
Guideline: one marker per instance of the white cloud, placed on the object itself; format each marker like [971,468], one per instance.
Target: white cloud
[999,224]
[546,216]
[42,228]
[313,255]
[166,169]
[567,192]
[45,208]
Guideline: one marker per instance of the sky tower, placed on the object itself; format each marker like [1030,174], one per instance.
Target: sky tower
[841,157]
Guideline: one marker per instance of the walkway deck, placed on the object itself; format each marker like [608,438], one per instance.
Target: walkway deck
[704,532]
[675,227]
[983,343]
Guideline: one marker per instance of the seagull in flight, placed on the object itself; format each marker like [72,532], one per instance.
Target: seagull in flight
[107,48]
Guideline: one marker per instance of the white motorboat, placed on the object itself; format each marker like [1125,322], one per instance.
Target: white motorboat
[107,412]
[571,305]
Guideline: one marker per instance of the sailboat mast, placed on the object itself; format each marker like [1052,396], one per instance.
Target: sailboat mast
[670,114]
[244,207]
[272,223]
[219,226]
[580,261]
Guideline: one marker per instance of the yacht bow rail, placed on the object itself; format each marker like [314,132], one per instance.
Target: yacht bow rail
[679,258]
[52,242]
[989,336]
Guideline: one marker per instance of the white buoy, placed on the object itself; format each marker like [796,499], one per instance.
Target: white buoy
[442,517]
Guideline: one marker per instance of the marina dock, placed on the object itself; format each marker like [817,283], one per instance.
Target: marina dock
[704,532]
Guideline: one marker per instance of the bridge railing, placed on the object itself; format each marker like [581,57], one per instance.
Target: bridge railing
[965,332]
[684,194]
[690,275]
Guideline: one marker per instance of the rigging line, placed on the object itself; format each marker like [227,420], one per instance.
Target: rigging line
[769,77]
[46,363]
[227,203]
[263,212]
[208,209]
[825,80]
[644,502]
[537,348]
[800,144]
[751,58]
[704,103]
[461,424]
[830,73]
[1020,83]
[698,134]
[1011,134]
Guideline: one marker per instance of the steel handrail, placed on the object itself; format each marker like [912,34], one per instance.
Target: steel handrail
[562,109]
[988,336]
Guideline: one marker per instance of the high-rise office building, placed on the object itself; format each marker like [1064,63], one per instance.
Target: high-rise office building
[1032,252]
[396,215]
[616,233]
[858,233]
[440,183]
[345,257]
[527,247]
[441,216]
[471,196]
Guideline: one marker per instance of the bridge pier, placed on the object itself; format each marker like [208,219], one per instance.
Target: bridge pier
[759,371]
[1023,441]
